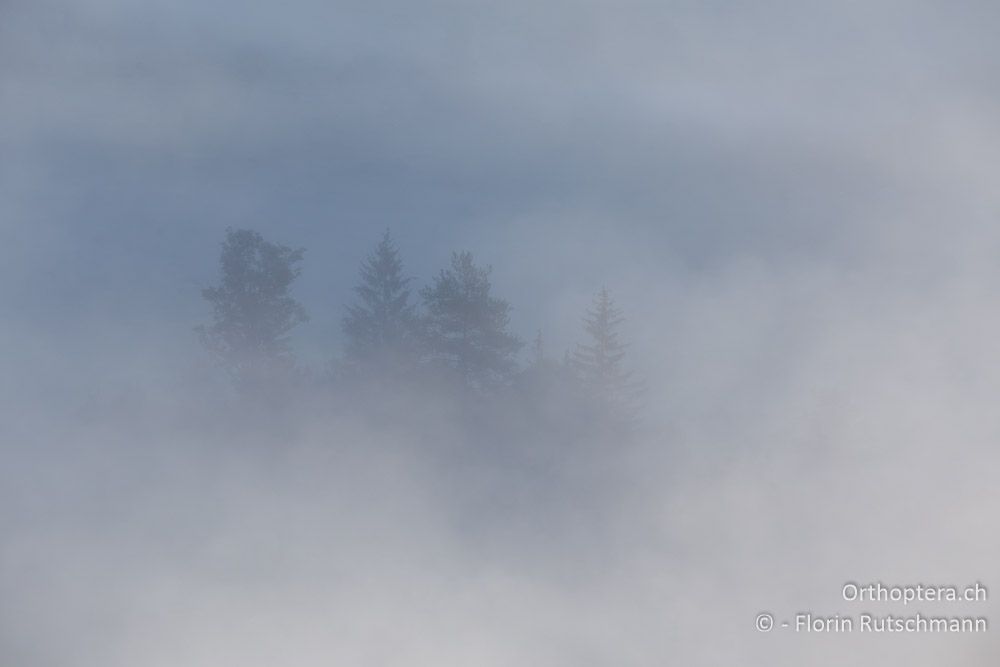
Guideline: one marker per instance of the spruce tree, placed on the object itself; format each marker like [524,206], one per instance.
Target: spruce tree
[599,363]
[382,326]
[466,327]
[252,310]
[538,349]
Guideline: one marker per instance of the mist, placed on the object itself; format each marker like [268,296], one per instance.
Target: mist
[791,205]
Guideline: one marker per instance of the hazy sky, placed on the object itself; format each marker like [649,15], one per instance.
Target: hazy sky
[568,143]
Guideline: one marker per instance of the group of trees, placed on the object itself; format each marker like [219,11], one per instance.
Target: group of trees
[459,330]
[463,327]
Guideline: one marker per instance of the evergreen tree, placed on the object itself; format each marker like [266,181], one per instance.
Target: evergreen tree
[599,363]
[382,326]
[466,327]
[538,349]
[252,310]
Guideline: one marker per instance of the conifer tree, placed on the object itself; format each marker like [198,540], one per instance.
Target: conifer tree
[466,327]
[538,349]
[599,363]
[252,310]
[382,326]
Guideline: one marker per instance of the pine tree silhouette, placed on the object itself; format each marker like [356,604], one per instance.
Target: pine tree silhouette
[466,326]
[599,364]
[382,327]
[252,310]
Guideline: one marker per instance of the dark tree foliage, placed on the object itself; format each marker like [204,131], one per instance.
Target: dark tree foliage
[598,363]
[466,327]
[252,310]
[382,327]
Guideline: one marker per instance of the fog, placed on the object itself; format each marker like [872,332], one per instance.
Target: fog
[793,205]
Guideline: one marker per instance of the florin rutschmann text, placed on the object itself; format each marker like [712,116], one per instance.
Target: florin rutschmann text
[896,595]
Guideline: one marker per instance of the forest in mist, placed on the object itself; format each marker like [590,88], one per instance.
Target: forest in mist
[455,342]
[441,492]
[686,311]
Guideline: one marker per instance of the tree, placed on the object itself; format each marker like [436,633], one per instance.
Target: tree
[538,349]
[252,310]
[382,328]
[466,327]
[599,363]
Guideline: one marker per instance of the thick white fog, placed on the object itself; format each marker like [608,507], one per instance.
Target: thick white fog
[792,204]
